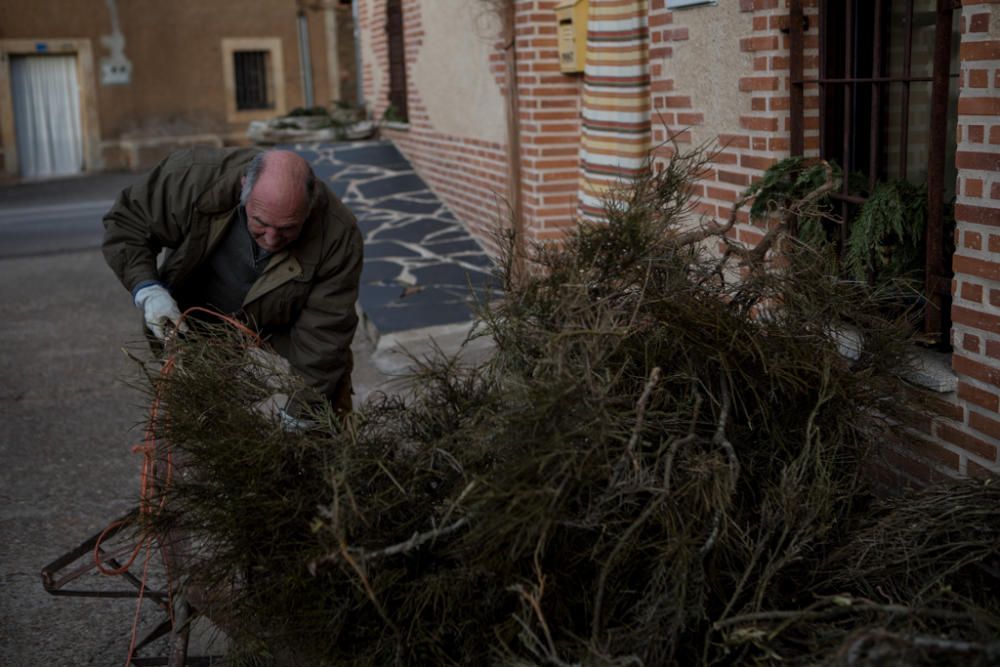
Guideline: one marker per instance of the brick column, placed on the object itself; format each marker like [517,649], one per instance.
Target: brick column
[973,440]
[550,123]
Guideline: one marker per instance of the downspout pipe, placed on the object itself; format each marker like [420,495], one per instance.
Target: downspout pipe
[305,60]
[358,79]
[332,47]
[514,139]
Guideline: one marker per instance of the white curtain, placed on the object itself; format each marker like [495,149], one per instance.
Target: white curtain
[47,115]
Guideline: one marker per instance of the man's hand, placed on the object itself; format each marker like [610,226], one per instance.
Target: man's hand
[276,409]
[159,308]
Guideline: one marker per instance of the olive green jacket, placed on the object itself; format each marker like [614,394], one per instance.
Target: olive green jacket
[304,301]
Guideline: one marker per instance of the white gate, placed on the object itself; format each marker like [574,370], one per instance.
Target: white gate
[47,115]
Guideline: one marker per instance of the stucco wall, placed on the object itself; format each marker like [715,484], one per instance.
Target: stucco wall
[456,134]
[176,52]
[451,71]
[708,68]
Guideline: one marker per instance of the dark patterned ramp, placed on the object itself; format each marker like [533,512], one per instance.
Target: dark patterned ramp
[422,268]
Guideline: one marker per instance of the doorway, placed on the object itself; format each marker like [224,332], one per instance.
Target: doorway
[46,105]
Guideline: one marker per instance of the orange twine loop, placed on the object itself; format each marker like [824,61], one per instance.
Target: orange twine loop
[148,479]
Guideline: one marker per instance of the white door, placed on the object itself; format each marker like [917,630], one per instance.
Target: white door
[46,115]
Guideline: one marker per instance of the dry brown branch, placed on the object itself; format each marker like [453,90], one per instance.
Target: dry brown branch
[602,580]
[840,606]
[676,444]
[754,257]
[532,597]
[640,415]
[854,650]
[366,585]
[711,228]
[720,440]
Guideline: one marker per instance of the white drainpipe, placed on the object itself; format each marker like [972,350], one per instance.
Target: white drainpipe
[305,60]
[357,55]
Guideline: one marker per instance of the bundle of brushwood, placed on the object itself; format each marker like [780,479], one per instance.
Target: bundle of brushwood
[664,462]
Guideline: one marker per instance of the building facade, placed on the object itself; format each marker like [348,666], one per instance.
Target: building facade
[103,84]
[481,99]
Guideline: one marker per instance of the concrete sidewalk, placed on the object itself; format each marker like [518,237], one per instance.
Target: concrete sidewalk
[424,274]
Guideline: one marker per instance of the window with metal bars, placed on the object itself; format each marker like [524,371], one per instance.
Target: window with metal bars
[397,61]
[253,89]
[886,86]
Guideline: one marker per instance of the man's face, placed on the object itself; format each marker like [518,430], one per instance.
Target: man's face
[273,221]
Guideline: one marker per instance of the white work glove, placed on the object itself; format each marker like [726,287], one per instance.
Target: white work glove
[275,409]
[159,308]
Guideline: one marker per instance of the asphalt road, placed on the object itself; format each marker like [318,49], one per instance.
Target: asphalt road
[60,215]
[67,425]
[49,228]
[70,414]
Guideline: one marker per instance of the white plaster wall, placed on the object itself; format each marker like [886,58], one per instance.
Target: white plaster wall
[709,64]
[452,72]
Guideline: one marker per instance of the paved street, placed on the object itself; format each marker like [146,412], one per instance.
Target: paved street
[67,418]
[58,215]
[34,230]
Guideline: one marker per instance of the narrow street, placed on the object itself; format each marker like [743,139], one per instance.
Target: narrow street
[68,420]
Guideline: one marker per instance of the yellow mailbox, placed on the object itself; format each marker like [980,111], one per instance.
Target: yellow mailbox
[572,24]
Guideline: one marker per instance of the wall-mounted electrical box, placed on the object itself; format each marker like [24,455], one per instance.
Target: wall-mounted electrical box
[571,18]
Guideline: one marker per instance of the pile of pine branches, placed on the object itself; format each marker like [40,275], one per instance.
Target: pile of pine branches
[663,462]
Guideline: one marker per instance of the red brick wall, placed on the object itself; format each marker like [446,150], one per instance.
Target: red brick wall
[470,175]
[971,438]
[763,136]
[550,123]
[963,437]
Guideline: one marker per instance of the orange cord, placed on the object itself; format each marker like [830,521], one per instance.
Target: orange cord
[138,607]
[239,326]
[147,489]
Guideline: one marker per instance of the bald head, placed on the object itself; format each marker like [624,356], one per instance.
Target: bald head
[286,170]
[276,194]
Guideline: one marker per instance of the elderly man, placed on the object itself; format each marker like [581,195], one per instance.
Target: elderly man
[248,233]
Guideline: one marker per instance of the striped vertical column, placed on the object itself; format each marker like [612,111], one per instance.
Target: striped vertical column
[615,138]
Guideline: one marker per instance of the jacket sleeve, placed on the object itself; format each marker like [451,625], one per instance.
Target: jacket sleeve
[148,216]
[320,339]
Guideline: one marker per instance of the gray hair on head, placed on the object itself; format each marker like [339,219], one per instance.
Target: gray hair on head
[256,168]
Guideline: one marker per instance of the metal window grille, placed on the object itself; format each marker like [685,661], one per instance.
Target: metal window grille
[252,84]
[884,74]
[397,58]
